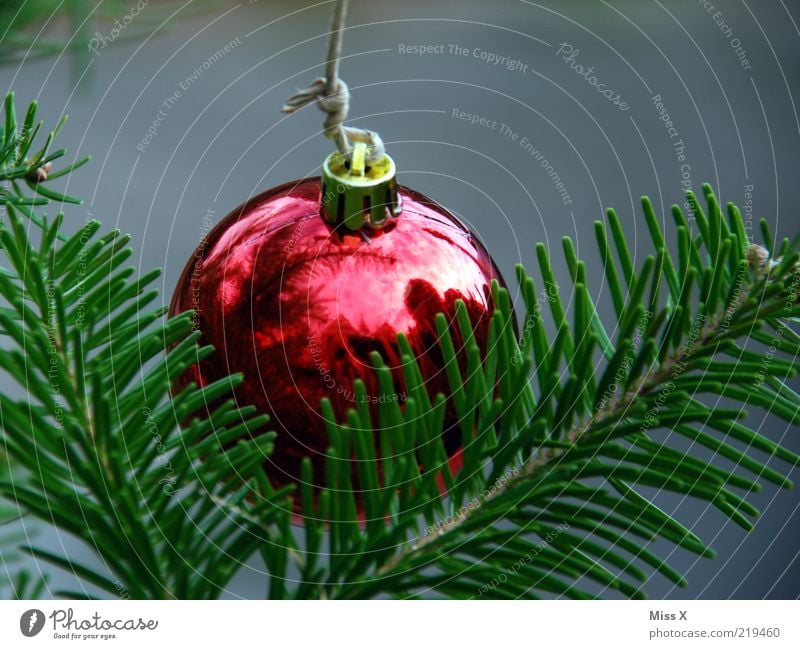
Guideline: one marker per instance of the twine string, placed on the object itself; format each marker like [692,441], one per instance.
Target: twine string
[332,97]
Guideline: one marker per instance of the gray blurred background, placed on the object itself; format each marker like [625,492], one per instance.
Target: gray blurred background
[728,77]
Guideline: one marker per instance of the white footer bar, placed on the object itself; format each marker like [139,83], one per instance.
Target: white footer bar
[401,624]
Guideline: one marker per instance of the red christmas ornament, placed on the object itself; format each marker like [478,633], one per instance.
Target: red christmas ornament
[296,301]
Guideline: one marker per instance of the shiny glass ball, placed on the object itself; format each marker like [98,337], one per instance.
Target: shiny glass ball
[298,306]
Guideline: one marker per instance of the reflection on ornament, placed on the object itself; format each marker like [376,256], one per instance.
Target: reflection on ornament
[298,305]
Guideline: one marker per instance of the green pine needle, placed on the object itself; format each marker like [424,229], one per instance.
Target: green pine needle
[562,433]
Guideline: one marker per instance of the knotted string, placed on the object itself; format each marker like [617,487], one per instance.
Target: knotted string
[333,97]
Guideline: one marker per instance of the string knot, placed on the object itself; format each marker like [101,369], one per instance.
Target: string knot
[333,98]
[336,105]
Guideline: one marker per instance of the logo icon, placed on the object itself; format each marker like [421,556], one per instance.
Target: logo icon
[31,622]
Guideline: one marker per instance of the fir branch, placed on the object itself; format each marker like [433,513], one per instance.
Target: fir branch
[19,161]
[98,434]
[558,431]
[505,534]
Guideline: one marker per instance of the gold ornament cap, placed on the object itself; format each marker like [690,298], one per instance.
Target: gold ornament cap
[356,191]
